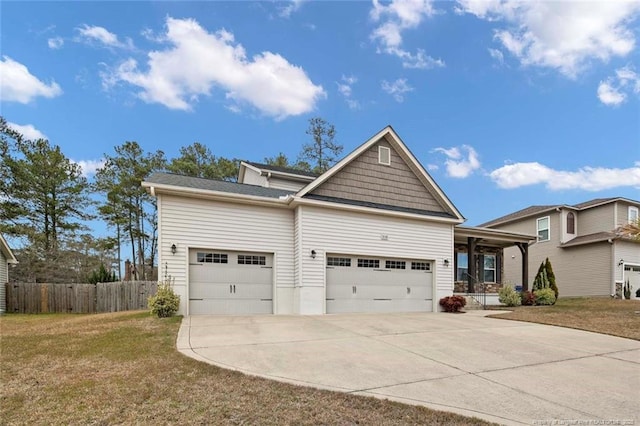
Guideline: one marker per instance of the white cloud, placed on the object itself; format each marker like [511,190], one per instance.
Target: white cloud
[346,90]
[397,89]
[587,178]
[614,90]
[55,42]
[461,161]
[27,130]
[563,35]
[497,55]
[89,167]
[17,84]
[396,17]
[292,6]
[267,81]
[610,95]
[94,34]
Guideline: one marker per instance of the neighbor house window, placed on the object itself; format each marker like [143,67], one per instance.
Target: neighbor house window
[384,155]
[543,229]
[571,223]
[463,263]
[633,214]
[338,261]
[395,264]
[368,263]
[489,268]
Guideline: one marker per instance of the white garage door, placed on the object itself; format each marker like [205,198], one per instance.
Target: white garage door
[226,282]
[632,273]
[372,284]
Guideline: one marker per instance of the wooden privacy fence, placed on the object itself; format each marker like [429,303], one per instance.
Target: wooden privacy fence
[30,298]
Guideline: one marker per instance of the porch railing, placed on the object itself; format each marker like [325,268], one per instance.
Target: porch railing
[480,291]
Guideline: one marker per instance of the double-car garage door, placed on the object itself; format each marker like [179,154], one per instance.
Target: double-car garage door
[374,284]
[227,282]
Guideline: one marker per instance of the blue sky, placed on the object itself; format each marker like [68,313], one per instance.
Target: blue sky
[506,104]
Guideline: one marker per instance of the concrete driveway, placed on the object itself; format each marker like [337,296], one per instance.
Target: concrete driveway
[503,371]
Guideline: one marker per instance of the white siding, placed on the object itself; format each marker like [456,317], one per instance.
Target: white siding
[333,231]
[627,251]
[4,278]
[288,185]
[194,223]
[251,177]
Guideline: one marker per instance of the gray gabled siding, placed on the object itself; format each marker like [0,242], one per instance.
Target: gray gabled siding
[364,179]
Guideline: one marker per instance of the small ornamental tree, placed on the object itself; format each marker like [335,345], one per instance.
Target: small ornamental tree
[551,277]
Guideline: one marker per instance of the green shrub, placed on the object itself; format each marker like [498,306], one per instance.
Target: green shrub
[552,277]
[508,296]
[165,303]
[101,275]
[545,296]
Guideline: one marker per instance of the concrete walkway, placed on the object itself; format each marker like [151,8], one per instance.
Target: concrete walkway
[503,371]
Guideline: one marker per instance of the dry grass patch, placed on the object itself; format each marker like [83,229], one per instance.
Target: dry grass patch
[601,315]
[123,368]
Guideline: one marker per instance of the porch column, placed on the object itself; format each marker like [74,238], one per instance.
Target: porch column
[524,250]
[471,264]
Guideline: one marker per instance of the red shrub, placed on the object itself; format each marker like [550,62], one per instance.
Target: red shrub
[452,303]
[528,298]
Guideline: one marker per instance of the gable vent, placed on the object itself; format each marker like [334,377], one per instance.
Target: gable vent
[384,155]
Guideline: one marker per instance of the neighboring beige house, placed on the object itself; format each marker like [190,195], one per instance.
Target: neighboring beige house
[6,258]
[374,233]
[588,255]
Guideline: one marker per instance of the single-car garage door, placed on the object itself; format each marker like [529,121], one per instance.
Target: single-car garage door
[373,284]
[227,282]
[632,274]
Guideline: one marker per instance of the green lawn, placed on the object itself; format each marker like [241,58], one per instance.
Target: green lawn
[602,315]
[123,368]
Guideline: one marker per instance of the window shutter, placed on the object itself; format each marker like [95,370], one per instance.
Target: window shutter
[498,268]
[480,269]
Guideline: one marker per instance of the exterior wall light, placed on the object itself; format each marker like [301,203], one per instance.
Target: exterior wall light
[173,249]
[446,262]
[621,262]
[313,254]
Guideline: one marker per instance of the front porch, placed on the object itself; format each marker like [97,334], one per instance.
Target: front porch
[478,261]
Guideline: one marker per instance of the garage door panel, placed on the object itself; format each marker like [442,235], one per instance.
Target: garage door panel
[222,282]
[350,288]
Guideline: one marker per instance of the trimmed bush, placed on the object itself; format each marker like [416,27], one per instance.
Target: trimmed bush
[545,296]
[552,277]
[453,303]
[528,298]
[165,303]
[508,296]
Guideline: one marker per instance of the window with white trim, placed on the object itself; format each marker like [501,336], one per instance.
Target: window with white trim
[368,263]
[633,214]
[384,155]
[212,257]
[248,259]
[338,261]
[571,223]
[463,270]
[420,266]
[489,268]
[395,264]
[543,229]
